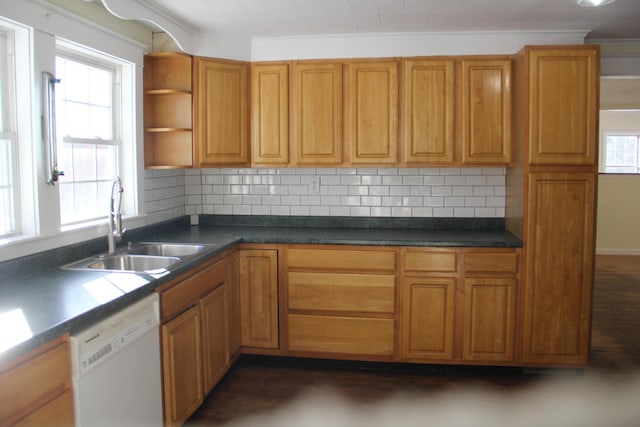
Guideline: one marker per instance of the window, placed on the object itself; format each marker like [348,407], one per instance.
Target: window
[621,152]
[8,205]
[88,136]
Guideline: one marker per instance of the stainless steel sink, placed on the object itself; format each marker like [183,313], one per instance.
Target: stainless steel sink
[123,262]
[151,257]
[166,249]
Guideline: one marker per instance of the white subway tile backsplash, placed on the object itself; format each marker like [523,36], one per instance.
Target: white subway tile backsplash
[379,192]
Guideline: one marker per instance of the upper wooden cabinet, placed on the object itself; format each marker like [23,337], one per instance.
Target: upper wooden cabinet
[486,111]
[269,114]
[316,113]
[371,112]
[168,137]
[456,111]
[221,112]
[563,104]
[428,111]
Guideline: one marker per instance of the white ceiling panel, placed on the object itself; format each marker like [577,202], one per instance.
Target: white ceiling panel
[620,19]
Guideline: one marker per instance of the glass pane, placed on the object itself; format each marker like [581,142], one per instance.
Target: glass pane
[7,224]
[84,162]
[104,198]
[77,122]
[100,122]
[75,81]
[7,208]
[106,162]
[66,202]
[85,200]
[5,162]
[100,91]
[65,160]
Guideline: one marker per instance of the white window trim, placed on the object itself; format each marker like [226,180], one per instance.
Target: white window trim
[42,231]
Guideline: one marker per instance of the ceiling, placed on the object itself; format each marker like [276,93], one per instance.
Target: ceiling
[289,18]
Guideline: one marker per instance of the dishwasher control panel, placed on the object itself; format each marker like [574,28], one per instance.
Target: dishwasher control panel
[106,338]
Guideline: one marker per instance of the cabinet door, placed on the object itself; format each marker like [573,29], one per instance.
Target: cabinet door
[371,109]
[259,298]
[316,113]
[489,319]
[214,308]
[559,274]
[182,366]
[428,318]
[486,111]
[221,113]
[270,114]
[428,111]
[563,105]
[233,284]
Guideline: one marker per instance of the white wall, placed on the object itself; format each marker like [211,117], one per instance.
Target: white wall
[618,227]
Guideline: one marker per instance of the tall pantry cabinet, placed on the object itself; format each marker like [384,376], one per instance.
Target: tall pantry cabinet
[551,199]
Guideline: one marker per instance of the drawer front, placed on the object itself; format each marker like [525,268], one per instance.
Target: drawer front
[175,299]
[34,383]
[429,261]
[342,292]
[488,262]
[344,335]
[338,259]
[58,412]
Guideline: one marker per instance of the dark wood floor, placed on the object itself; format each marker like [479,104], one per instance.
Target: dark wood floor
[257,384]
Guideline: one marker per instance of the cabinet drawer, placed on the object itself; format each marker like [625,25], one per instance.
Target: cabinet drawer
[345,335]
[58,412]
[330,259]
[342,292]
[34,383]
[485,262]
[188,292]
[429,261]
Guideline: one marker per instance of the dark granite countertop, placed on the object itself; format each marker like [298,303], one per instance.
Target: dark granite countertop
[39,305]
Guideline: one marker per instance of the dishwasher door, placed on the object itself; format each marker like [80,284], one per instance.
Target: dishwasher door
[116,369]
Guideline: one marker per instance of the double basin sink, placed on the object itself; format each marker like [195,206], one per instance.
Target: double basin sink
[149,257]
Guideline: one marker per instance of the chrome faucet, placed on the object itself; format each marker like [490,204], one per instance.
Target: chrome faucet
[115,217]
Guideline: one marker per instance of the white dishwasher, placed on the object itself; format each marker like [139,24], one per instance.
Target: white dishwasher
[116,369]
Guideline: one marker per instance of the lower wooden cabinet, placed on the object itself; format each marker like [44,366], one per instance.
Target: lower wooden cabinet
[233,283]
[182,366]
[341,302]
[459,305]
[214,308]
[489,319]
[428,318]
[559,278]
[195,342]
[259,298]
[36,389]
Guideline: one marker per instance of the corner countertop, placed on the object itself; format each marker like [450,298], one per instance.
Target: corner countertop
[40,304]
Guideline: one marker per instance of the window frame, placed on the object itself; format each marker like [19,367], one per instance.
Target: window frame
[8,123]
[36,45]
[99,61]
[603,151]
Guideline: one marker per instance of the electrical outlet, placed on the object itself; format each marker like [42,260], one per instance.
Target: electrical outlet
[314,186]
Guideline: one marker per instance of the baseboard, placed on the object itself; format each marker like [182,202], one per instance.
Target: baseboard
[605,251]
